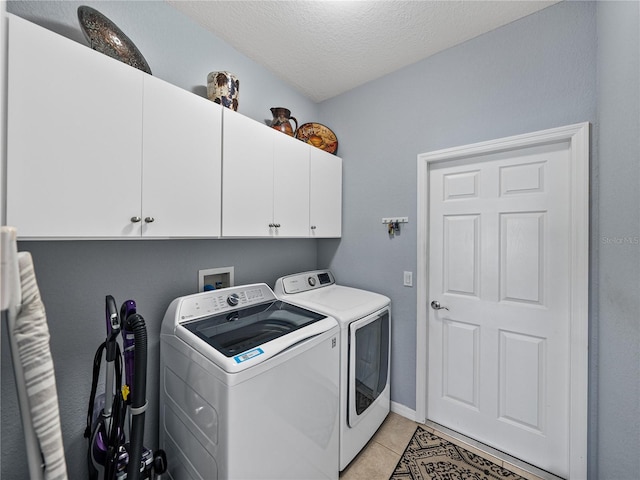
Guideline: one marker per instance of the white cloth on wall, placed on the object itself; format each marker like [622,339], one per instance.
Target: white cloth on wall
[32,337]
[28,327]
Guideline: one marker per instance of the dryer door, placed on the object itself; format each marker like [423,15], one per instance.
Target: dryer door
[369,343]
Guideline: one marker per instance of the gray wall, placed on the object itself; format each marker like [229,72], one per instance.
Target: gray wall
[617,272]
[533,74]
[177,50]
[74,277]
[570,63]
[573,62]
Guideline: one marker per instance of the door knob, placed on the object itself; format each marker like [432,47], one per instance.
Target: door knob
[436,305]
[149,219]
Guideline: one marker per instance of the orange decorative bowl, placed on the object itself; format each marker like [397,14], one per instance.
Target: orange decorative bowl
[319,136]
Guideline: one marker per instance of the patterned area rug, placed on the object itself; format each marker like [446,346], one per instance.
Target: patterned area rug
[429,457]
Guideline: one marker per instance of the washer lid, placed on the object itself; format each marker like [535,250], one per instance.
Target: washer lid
[241,339]
[345,304]
[243,330]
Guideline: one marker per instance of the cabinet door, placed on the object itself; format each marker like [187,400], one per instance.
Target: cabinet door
[326,194]
[182,148]
[74,138]
[290,187]
[247,176]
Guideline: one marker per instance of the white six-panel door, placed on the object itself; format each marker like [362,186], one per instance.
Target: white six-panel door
[501,267]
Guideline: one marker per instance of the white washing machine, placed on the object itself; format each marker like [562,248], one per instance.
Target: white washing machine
[365,342]
[249,388]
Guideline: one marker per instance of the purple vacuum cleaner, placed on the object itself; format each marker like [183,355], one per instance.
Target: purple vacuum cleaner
[110,447]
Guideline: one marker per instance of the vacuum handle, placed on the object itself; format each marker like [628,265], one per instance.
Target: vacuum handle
[113,327]
[127,309]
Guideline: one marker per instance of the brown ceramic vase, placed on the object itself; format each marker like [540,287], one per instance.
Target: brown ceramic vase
[281,117]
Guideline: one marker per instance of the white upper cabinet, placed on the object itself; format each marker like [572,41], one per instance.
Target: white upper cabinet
[325,216]
[74,138]
[265,184]
[247,177]
[290,186]
[181,163]
[98,149]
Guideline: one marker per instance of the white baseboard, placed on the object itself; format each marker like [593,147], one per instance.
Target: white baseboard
[403,411]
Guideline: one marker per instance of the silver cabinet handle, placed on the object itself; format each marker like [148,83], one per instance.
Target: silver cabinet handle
[277,225]
[436,306]
[272,225]
[313,227]
[135,219]
[149,219]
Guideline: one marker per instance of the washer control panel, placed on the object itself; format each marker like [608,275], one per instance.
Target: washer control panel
[303,282]
[224,300]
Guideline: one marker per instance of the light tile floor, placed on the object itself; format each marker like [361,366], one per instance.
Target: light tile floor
[380,456]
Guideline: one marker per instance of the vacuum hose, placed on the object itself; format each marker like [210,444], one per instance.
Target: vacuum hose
[135,323]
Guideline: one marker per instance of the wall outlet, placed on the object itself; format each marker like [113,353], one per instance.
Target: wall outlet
[408,279]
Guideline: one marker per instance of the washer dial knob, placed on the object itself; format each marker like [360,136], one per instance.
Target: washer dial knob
[233,299]
[312,281]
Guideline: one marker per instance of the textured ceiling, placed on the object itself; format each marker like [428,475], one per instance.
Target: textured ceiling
[324,48]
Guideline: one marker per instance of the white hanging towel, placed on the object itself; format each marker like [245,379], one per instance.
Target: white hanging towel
[33,365]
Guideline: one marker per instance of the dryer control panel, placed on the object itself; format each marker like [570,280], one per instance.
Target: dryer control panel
[221,301]
[303,282]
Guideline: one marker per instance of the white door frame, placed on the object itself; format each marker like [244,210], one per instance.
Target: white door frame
[3,107]
[578,137]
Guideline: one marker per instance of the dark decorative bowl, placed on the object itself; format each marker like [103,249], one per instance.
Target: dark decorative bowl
[105,37]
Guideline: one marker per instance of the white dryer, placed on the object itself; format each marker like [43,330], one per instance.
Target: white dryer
[249,388]
[365,342]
